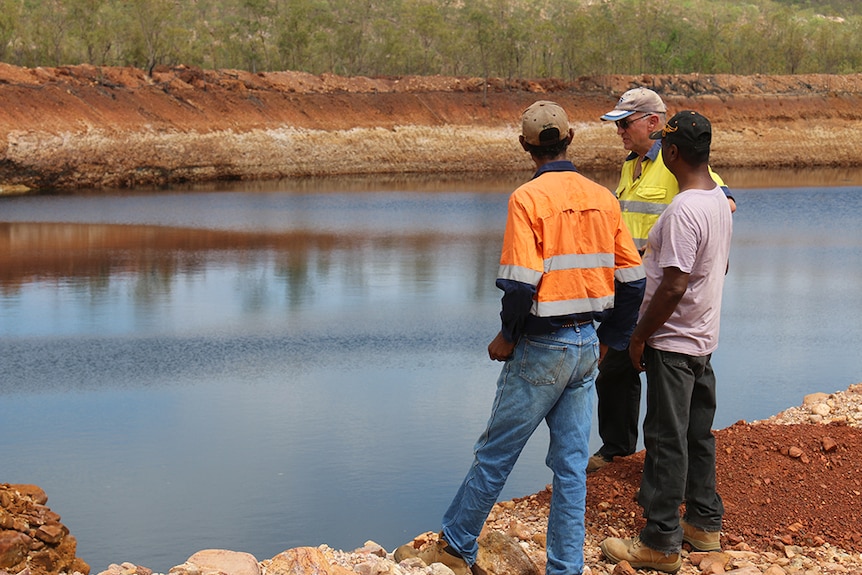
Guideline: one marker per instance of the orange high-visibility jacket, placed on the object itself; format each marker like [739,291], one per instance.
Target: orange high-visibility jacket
[566,242]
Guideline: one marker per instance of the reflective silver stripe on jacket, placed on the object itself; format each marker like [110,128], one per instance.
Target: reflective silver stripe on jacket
[571,261]
[651,208]
[626,275]
[578,261]
[519,274]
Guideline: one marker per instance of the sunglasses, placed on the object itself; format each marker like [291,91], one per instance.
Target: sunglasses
[626,122]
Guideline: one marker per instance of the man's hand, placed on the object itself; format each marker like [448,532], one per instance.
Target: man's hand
[603,351]
[670,290]
[636,353]
[500,349]
[732,203]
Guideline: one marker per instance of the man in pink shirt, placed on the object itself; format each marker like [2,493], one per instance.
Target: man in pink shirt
[686,260]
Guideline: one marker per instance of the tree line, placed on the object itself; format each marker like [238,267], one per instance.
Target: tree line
[500,38]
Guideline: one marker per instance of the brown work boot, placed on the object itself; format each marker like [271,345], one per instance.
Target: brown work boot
[437,551]
[699,539]
[596,462]
[639,555]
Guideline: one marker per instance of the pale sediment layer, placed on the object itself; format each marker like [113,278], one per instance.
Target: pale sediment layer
[97,158]
[81,126]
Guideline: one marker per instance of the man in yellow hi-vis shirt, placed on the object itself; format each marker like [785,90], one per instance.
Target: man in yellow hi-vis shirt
[645,189]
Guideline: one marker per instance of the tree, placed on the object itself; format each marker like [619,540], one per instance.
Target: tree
[834,47]
[155,31]
[481,25]
[255,21]
[426,24]
[9,13]
[743,46]
[90,27]
[295,25]
[49,28]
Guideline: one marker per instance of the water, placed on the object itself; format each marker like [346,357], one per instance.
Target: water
[293,364]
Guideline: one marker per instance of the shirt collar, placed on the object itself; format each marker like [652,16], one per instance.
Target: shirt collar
[651,154]
[556,166]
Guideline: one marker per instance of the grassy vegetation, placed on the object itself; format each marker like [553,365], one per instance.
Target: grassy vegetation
[504,38]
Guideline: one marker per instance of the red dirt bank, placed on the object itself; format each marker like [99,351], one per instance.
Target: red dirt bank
[82,126]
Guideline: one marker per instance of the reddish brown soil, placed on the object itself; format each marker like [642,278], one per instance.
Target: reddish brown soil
[82,126]
[773,494]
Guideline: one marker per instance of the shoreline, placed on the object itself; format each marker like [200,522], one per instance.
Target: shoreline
[822,434]
[519,525]
[747,178]
[82,127]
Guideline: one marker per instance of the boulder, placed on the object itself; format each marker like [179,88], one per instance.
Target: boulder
[218,561]
[31,535]
[304,561]
[501,554]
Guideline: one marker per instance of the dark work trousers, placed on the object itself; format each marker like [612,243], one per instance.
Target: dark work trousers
[680,449]
[618,387]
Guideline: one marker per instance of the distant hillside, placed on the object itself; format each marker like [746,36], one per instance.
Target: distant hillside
[487,38]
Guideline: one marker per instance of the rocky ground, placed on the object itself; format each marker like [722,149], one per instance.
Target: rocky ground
[792,488]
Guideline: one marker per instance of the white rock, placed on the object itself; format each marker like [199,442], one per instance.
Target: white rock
[821,409]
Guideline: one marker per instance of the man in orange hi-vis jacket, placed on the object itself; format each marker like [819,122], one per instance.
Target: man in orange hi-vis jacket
[568,262]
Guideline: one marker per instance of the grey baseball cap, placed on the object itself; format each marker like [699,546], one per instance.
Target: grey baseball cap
[636,100]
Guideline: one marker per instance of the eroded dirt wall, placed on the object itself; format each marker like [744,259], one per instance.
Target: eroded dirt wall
[84,126]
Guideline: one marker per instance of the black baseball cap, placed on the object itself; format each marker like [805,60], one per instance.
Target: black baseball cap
[686,129]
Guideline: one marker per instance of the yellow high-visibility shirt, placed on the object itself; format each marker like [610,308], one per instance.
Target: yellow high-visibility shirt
[642,200]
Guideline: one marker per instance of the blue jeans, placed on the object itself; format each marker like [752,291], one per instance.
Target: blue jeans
[680,449]
[549,377]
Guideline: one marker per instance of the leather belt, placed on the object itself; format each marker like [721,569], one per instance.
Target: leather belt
[577,323]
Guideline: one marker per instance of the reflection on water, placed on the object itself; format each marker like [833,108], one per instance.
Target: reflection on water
[160,266]
[303,363]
